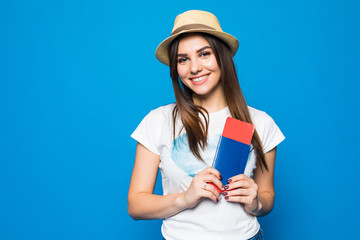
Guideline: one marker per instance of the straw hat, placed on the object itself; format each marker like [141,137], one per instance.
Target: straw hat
[195,21]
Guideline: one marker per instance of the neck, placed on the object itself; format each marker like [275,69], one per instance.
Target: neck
[212,102]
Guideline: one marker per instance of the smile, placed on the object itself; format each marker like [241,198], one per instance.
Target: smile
[200,80]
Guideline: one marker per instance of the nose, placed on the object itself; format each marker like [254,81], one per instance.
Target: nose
[195,67]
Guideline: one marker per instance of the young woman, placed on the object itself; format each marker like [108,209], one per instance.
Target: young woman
[181,140]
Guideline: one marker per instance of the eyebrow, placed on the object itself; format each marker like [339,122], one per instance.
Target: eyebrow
[201,49]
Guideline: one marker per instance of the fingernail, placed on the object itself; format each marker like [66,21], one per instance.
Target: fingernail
[225,193]
[221,177]
[227,198]
[226,187]
[229,181]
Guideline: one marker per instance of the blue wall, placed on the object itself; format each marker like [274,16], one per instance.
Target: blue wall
[76,77]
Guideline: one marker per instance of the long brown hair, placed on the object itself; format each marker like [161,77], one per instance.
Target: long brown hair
[196,129]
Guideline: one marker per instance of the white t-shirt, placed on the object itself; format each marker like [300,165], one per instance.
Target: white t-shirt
[207,220]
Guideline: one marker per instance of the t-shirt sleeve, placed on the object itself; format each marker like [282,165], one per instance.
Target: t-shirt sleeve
[147,133]
[272,135]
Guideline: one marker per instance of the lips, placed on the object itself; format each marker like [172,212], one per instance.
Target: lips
[200,79]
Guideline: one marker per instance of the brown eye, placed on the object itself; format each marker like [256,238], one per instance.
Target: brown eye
[203,54]
[181,60]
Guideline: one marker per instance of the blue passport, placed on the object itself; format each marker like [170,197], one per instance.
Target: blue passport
[233,148]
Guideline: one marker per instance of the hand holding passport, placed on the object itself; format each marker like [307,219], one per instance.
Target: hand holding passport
[233,149]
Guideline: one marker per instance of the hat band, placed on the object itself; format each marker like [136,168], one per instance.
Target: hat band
[191,27]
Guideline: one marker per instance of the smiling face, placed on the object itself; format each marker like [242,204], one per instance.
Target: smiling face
[197,67]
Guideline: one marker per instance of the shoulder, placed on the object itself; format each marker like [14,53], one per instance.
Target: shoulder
[160,115]
[163,112]
[267,129]
[164,109]
[260,119]
[154,127]
[258,115]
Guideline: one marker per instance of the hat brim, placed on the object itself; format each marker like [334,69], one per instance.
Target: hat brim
[162,50]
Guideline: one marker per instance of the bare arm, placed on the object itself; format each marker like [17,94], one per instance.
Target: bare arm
[265,181]
[143,204]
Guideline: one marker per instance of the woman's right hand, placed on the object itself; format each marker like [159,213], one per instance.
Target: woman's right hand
[200,187]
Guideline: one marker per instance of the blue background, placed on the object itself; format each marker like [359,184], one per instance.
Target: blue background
[77,77]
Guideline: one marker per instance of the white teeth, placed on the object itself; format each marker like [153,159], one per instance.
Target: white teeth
[199,78]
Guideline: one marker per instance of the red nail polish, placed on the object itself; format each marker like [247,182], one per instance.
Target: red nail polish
[221,177]
[227,198]
[225,193]
[229,181]
[226,187]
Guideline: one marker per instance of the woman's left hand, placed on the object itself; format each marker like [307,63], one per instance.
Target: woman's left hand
[244,190]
